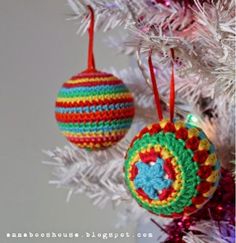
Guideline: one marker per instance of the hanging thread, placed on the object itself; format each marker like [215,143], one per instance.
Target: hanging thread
[155,88]
[172,87]
[91,61]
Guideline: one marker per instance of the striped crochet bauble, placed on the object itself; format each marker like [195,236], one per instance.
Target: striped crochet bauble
[171,168]
[94,110]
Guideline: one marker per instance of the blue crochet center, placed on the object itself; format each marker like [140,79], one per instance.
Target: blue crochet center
[151,178]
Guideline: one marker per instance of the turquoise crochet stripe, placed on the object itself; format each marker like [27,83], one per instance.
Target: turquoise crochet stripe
[92,88]
[92,91]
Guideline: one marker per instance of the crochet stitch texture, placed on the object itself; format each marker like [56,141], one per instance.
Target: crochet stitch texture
[171,169]
[151,178]
[94,110]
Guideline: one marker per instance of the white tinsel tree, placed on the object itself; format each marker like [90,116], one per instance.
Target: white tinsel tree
[202,34]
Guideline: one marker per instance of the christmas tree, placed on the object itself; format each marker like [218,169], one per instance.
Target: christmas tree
[201,34]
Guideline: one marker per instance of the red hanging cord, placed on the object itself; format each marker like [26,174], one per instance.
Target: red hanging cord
[172,87]
[155,89]
[91,61]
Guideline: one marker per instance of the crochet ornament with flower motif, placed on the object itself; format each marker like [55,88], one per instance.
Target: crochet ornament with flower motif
[94,110]
[171,168]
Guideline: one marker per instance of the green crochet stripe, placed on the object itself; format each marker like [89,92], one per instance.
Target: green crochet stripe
[70,93]
[188,168]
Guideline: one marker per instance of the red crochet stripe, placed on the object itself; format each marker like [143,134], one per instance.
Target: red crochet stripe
[204,171]
[169,169]
[92,83]
[182,133]
[198,200]
[192,143]
[190,209]
[148,157]
[95,74]
[133,172]
[173,215]
[153,130]
[94,102]
[166,193]
[169,127]
[96,116]
[204,187]
[143,194]
[139,136]
[200,156]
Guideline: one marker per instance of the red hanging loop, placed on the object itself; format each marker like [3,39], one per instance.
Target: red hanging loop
[172,87]
[155,89]
[91,61]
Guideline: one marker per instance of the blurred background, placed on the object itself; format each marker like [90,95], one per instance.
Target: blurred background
[39,50]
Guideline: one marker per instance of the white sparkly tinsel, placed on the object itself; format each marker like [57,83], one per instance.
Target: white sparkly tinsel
[209,231]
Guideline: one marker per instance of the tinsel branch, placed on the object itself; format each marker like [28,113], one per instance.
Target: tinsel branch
[202,36]
[110,14]
[209,231]
[97,174]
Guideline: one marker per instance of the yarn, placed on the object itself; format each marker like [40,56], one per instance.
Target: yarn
[94,109]
[171,168]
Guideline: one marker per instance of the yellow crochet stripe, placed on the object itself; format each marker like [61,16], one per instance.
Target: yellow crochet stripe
[94,98]
[211,159]
[179,124]
[92,79]
[93,145]
[163,122]
[165,153]
[193,132]
[214,176]
[95,134]
[204,144]
[207,195]
[210,192]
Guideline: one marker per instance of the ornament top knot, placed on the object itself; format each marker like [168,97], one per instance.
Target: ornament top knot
[94,109]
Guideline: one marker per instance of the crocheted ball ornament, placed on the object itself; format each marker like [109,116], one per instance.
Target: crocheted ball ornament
[171,169]
[94,109]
